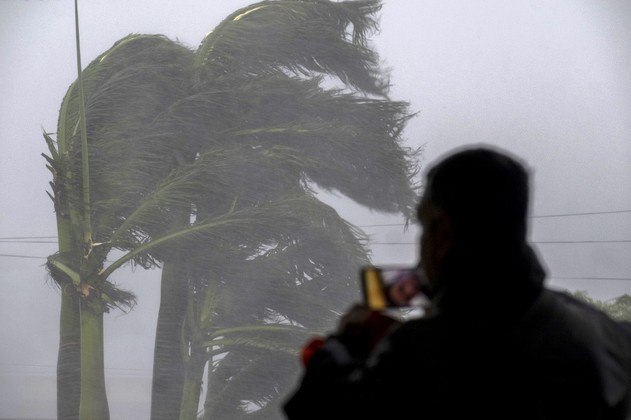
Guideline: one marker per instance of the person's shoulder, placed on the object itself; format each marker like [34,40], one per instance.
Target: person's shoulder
[607,340]
[574,305]
[559,307]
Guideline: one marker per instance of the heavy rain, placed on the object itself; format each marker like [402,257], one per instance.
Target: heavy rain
[239,175]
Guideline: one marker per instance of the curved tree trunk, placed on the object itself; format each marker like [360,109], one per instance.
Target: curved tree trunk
[192,384]
[168,362]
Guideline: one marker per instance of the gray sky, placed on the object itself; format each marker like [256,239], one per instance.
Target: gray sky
[549,81]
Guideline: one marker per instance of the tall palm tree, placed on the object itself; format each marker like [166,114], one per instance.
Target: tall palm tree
[293,96]
[126,153]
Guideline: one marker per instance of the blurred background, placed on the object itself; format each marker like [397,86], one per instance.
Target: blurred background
[547,81]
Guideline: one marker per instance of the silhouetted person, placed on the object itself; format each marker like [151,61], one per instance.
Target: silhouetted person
[496,344]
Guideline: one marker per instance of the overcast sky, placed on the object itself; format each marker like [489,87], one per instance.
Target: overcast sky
[549,81]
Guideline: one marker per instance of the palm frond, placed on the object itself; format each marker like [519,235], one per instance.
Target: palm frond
[216,178]
[126,88]
[250,225]
[262,39]
[248,376]
[267,337]
[341,141]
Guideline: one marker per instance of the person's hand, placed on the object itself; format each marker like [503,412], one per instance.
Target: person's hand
[354,318]
[361,328]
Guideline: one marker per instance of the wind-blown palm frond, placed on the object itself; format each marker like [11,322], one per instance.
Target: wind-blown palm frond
[216,177]
[341,141]
[285,269]
[270,337]
[302,37]
[296,276]
[127,155]
[236,383]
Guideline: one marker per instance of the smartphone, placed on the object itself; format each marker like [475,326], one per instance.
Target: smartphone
[386,287]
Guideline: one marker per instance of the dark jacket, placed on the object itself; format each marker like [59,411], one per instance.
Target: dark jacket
[545,355]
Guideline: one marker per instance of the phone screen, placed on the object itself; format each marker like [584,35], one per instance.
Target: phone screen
[392,287]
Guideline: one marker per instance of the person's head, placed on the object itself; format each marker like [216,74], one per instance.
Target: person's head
[473,210]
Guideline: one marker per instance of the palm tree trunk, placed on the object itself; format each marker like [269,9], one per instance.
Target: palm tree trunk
[69,353]
[168,362]
[192,385]
[93,404]
[69,357]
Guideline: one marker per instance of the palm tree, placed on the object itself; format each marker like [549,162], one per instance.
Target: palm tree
[246,300]
[124,90]
[203,162]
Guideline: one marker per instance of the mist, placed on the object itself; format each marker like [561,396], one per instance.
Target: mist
[549,82]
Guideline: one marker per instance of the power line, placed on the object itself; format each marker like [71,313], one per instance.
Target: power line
[581,214]
[10,238]
[408,244]
[24,365]
[404,243]
[23,241]
[582,242]
[382,225]
[534,242]
[23,256]
[591,278]
[27,237]
[543,216]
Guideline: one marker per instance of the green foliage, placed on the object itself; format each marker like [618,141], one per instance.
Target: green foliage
[618,308]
